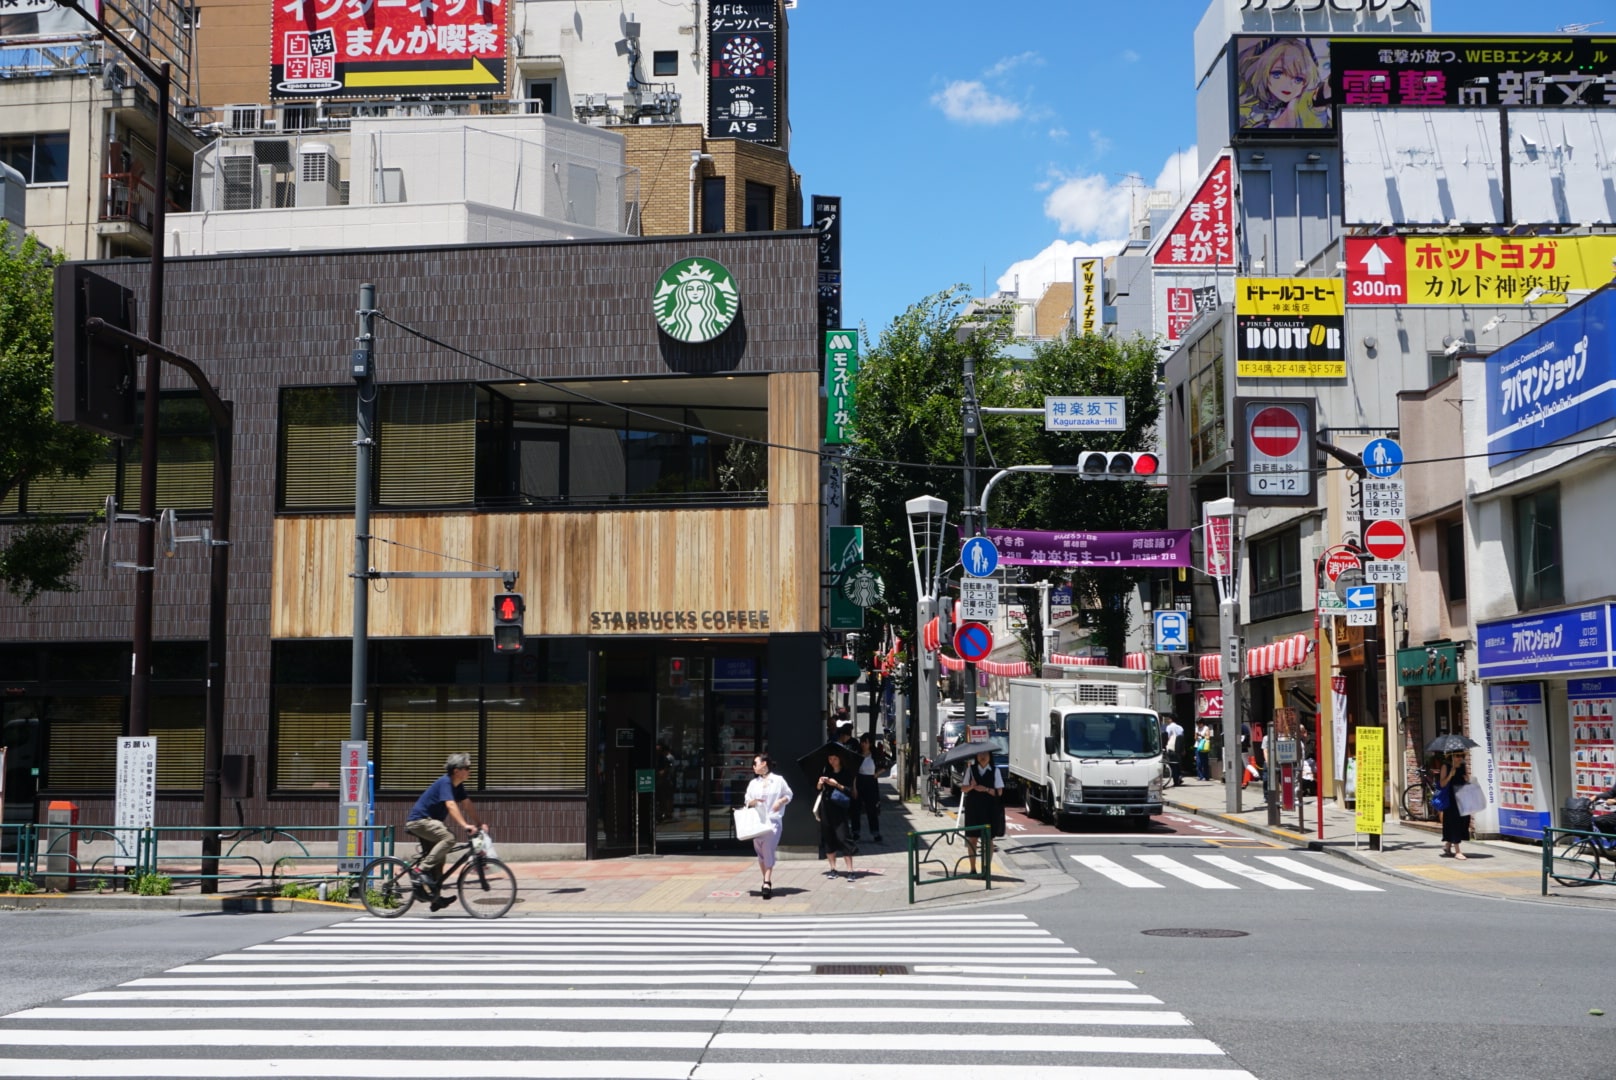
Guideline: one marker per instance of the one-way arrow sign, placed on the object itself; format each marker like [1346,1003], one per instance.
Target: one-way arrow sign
[1375,261]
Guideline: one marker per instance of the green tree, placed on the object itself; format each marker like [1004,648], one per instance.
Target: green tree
[908,440]
[40,555]
[1091,365]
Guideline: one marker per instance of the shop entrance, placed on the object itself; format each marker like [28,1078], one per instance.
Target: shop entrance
[692,714]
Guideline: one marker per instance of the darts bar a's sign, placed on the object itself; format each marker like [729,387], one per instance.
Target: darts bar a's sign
[742,94]
[676,622]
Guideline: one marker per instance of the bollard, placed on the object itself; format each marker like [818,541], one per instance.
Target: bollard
[61,860]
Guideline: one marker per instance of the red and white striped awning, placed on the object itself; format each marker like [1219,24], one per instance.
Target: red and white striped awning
[1136,661]
[1211,666]
[994,667]
[1062,660]
[1285,653]
[952,663]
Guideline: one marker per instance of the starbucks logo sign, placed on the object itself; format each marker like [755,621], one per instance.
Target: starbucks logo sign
[695,300]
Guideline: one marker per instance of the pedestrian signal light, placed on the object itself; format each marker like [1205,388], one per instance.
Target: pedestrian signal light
[508,611]
[1117,465]
[676,671]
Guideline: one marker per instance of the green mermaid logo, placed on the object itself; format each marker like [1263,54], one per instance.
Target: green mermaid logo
[695,300]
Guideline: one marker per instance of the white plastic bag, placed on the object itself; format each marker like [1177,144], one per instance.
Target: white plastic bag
[485,843]
[750,821]
[1470,797]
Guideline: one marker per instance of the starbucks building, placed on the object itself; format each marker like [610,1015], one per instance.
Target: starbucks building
[632,426]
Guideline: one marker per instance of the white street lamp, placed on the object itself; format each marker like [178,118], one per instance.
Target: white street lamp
[928,515]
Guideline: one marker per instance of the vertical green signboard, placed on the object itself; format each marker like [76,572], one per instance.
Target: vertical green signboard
[846,549]
[841,370]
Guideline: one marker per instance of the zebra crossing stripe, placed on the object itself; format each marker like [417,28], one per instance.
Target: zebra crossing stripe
[1296,866]
[586,1069]
[1119,874]
[441,993]
[1185,873]
[1251,873]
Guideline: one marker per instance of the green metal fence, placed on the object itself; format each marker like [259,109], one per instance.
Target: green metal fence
[1578,857]
[923,853]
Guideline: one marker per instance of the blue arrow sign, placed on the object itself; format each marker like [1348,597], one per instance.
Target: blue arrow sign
[1172,631]
[1382,458]
[979,557]
[1361,598]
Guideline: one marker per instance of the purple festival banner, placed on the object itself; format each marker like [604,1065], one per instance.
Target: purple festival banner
[1030,547]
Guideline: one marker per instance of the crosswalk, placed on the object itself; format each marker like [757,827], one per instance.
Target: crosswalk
[900,997]
[1275,872]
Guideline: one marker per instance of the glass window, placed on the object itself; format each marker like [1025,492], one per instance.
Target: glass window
[317,452]
[41,158]
[656,450]
[310,724]
[759,207]
[178,723]
[595,453]
[420,727]
[1207,431]
[1538,576]
[712,204]
[723,456]
[665,63]
[426,440]
[1453,550]
[536,737]
[81,742]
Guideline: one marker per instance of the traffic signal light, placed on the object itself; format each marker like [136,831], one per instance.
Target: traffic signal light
[1117,465]
[94,375]
[945,619]
[508,611]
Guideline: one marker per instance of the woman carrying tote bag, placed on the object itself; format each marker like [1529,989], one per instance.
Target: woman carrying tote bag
[768,793]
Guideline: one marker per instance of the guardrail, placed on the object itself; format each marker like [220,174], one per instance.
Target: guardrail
[1578,857]
[926,854]
[62,856]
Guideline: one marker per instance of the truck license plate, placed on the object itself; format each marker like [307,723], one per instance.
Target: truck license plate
[1115,811]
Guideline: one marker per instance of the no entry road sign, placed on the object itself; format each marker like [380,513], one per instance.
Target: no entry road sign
[1385,539]
[1275,432]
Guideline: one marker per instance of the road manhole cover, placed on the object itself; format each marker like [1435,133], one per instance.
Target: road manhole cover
[861,969]
[1193,931]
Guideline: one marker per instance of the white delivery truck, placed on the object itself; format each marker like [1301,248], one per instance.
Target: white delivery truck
[1088,745]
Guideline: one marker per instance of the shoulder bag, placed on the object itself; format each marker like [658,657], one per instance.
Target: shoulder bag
[751,821]
[1469,798]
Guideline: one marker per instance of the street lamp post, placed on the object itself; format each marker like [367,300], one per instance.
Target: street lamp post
[927,516]
[1224,532]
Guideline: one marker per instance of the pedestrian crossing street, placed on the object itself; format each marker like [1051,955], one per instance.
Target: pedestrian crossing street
[901,997]
[1271,871]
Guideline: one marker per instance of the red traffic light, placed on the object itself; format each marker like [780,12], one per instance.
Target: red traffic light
[676,671]
[508,611]
[1145,464]
[508,608]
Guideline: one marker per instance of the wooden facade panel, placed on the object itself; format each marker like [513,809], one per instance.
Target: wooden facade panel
[794,421]
[571,565]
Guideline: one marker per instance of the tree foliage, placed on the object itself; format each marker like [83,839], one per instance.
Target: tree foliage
[42,555]
[909,442]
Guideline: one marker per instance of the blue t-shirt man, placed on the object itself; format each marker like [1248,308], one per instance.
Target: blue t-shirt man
[444,800]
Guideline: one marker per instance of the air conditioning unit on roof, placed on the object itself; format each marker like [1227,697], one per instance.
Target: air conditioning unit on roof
[318,176]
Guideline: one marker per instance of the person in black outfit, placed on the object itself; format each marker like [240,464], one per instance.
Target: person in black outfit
[836,786]
[1605,822]
[869,788]
[980,799]
[1455,826]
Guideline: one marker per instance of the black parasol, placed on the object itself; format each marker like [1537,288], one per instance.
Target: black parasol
[1450,744]
[967,752]
[813,762]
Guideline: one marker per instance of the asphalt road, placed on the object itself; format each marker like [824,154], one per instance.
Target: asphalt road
[1328,982]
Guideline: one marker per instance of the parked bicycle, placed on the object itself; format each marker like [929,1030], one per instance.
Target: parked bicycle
[486,887]
[935,787]
[1417,798]
[1585,857]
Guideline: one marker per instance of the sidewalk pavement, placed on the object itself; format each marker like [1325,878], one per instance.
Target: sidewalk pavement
[728,885]
[686,884]
[1411,850]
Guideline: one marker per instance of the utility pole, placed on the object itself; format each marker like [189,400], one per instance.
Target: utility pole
[364,376]
[968,511]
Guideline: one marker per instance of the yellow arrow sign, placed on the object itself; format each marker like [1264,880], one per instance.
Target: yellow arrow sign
[476,73]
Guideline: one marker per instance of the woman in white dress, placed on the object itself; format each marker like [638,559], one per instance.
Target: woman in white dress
[769,791]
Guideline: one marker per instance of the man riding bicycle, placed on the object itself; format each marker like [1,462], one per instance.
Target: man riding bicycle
[445,799]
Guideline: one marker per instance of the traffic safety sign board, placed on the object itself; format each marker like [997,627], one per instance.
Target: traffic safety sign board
[1382,499]
[979,599]
[1172,631]
[1382,458]
[973,642]
[1383,572]
[1276,452]
[1385,539]
[979,557]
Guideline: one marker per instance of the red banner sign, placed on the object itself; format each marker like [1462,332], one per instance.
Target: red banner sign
[385,48]
[1203,235]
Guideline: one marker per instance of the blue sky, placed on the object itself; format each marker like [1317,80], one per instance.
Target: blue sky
[976,141]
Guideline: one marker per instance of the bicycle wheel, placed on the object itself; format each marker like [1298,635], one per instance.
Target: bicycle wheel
[1417,802]
[1575,861]
[487,888]
[384,886]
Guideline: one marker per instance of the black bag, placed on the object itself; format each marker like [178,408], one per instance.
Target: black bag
[1578,813]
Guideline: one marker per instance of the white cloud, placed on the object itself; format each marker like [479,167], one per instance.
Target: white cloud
[1100,143]
[1058,133]
[1099,205]
[1009,62]
[1130,56]
[1054,263]
[970,102]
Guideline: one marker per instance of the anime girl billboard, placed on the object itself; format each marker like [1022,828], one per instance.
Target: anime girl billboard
[1283,84]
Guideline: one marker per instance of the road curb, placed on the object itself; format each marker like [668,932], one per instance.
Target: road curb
[231,905]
